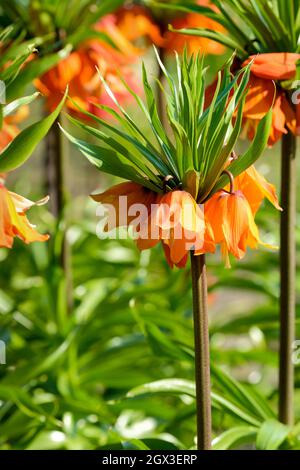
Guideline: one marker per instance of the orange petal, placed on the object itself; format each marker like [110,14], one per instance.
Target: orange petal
[274,66]
[128,194]
[259,98]
[134,22]
[180,264]
[121,189]
[232,223]
[255,188]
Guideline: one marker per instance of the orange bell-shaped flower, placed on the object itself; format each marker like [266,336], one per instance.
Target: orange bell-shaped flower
[232,223]
[265,70]
[178,221]
[124,202]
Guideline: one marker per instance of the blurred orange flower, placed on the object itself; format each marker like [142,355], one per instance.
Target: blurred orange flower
[265,70]
[177,42]
[9,128]
[79,72]
[136,22]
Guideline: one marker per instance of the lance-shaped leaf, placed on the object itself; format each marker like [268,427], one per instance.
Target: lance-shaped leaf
[251,155]
[21,148]
[10,108]
[34,69]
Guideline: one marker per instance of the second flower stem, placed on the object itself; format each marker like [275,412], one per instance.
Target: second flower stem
[287,278]
[202,357]
[55,168]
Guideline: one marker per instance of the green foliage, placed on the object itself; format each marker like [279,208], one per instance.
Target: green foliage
[203,138]
[21,148]
[47,17]
[118,372]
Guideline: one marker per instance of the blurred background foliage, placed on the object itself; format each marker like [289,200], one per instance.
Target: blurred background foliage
[117,371]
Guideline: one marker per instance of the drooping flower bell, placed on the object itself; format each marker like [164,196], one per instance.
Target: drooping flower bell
[265,70]
[232,223]
[178,222]
[256,188]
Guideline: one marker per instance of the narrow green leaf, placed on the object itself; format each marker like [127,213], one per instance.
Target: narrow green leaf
[21,148]
[234,437]
[251,155]
[271,435]
[10,108]
[111,162]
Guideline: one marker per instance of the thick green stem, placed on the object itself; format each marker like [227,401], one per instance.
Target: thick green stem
[288,278]
[55,181]
[202,358]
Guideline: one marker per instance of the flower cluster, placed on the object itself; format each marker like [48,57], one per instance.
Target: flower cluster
[181,225]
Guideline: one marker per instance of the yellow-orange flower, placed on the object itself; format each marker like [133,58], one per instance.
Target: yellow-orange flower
[13,220]
[265,70]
